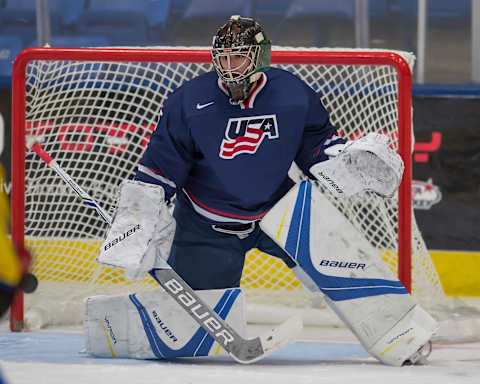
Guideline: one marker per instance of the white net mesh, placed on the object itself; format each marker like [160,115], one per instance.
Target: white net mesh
[95,118]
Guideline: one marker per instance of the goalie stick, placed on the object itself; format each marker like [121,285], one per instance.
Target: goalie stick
[244,351]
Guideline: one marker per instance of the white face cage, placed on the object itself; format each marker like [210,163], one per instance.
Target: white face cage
[235,64]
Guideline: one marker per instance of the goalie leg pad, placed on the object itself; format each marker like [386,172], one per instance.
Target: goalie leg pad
[407,336]
[152,325]
[358,285]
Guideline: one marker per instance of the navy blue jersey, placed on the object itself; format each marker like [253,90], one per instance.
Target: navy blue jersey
[230,162]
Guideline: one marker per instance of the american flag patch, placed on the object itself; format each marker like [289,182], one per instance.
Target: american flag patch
[245,134]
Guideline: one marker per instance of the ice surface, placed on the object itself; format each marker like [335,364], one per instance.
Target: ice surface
[56,357]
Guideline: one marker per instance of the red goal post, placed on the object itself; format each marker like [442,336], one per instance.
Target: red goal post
[299,58]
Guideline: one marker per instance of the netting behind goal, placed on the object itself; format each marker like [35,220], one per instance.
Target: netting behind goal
[93,110]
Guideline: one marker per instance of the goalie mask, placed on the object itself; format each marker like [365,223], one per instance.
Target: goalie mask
[240,51]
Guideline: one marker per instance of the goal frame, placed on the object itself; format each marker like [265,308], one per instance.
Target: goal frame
[334,57]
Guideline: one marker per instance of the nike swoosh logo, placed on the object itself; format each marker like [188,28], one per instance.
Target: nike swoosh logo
[201,106]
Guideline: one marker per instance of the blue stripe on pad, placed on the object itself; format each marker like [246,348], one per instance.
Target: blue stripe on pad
[336,288]
[199,344]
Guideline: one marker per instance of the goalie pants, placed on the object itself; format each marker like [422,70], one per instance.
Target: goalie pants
[208,259]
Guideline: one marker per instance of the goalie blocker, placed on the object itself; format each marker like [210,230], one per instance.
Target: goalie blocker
[333,258]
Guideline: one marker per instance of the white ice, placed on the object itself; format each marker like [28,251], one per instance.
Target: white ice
[320,356]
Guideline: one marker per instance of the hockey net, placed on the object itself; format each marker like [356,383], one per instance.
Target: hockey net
[93,111]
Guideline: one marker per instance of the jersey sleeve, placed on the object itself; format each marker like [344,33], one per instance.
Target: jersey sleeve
[168,157]
[318,135]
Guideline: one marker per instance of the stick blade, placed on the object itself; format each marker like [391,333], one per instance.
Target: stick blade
[270,341]
[281,335]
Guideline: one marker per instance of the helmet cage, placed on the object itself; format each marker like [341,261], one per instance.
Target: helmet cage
[247,67]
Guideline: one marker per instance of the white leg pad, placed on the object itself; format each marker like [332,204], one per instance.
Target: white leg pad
[152,325]
[335,258]
[407,336]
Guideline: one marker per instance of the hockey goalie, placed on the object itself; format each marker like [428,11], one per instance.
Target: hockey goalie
[330,257]
[224,145]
